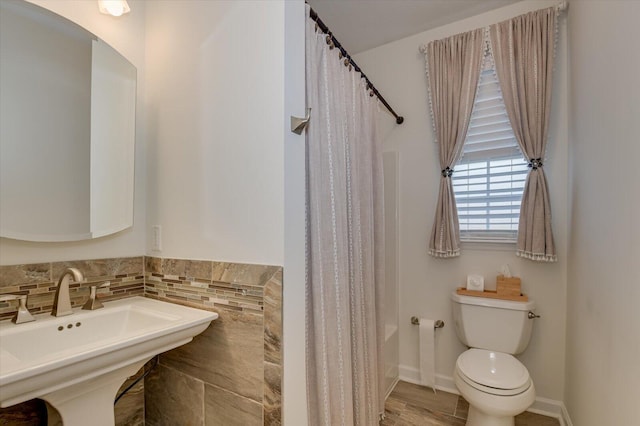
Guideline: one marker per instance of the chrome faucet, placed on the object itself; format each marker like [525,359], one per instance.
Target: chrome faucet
[62,301]
[23,314]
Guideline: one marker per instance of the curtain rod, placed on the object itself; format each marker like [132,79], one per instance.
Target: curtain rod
[559,8]
[336,43]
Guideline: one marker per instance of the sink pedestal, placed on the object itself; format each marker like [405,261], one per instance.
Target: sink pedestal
[90,402]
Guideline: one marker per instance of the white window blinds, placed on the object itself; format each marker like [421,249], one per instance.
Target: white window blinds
[489,178]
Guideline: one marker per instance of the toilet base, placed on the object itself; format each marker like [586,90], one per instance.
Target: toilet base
[503,409]
[478,418]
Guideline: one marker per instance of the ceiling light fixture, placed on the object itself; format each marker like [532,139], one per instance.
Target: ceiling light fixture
[114,7]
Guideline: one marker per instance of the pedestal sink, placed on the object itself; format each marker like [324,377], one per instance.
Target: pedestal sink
[78,362]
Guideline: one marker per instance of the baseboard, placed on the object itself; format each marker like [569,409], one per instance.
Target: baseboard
[545,406]
[395,382]
[565,420]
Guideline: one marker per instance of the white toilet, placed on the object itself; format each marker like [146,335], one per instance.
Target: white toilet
[496,385]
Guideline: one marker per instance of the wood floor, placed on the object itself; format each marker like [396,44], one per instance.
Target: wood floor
[410,405]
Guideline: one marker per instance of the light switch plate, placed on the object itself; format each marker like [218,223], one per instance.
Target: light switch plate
[157,238]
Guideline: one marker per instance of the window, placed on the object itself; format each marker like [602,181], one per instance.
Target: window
[489,178]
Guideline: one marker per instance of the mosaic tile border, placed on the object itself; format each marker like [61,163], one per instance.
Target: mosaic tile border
[203,284]
[38,281]
[208,284]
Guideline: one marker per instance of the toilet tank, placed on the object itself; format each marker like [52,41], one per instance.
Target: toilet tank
[492,324]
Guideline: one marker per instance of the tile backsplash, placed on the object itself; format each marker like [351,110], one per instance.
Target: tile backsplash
[208,284]
[232,371]
[39,280]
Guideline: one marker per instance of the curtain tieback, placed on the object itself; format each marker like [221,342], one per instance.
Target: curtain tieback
[447,172]
[534,163]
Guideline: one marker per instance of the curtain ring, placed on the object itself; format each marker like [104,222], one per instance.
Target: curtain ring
[340,55]
[346,62]
[447,172]
[534,163]
[328,39]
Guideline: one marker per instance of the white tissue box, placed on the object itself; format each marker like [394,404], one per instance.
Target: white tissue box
[475,282]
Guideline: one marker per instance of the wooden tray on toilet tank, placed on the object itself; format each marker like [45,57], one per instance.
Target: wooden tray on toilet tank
[491,294]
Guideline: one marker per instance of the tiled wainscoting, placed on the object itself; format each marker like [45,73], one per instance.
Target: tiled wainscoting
[230,374]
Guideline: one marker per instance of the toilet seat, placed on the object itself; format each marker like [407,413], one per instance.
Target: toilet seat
[493,372]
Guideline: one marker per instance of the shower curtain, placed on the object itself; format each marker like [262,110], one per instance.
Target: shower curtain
[345,242]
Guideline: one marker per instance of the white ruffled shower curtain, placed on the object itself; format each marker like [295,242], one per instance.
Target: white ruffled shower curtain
[345,242]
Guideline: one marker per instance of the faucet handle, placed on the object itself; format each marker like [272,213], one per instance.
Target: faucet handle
[93,303]
[104,284]
[22,314]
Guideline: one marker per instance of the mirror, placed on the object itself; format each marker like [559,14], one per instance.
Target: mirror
[67,129]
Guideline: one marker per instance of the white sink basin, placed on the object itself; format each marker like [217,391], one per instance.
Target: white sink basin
[78,362]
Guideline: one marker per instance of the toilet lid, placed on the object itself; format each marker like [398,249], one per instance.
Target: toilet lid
[493,369]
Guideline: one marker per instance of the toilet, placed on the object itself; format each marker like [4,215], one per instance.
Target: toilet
[496,385]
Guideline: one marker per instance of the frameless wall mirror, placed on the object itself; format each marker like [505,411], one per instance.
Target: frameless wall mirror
[67,129]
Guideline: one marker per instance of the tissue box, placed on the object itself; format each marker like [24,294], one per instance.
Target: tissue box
[508,286]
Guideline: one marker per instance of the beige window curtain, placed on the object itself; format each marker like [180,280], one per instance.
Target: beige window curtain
[453,70]
[345,243]
[523,51]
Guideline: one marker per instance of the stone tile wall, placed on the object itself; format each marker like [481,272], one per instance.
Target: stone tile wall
[230,374]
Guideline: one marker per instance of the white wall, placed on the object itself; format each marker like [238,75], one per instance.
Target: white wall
[215,102]
[294,380]
[127,35]
[215,154]
[603,325]
[398,71]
